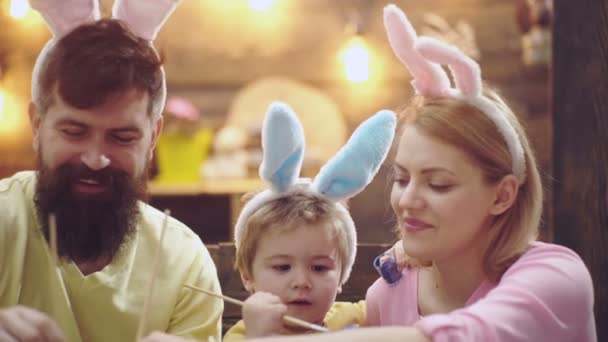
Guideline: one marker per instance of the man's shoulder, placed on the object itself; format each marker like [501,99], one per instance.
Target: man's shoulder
[20,182]
[15,191]
[16,213]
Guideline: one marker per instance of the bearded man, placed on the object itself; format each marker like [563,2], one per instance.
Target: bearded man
[98,93]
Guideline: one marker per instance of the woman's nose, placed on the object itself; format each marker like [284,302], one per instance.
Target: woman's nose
[411,198]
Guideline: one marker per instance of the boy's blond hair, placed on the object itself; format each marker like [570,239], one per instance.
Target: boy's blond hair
[296,209]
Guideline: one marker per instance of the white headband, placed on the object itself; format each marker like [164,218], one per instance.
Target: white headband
[423,57]
[143,17]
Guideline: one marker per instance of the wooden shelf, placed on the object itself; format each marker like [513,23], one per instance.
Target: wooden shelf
[206,187]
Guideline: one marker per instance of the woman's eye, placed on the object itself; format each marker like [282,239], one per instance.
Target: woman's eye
[440,187]
[401,181]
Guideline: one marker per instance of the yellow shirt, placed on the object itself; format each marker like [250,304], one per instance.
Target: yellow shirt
[339,316]
[106,305]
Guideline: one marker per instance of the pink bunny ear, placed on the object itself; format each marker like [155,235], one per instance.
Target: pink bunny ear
[429,78]
[144,17]
[62,16]
[466,72]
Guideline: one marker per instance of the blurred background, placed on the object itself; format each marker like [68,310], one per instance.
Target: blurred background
[226,60]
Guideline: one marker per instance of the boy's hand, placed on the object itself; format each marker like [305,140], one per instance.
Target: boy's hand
[263,314]
[20,323]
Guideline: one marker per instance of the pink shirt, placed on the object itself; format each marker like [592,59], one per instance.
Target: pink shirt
[546,295]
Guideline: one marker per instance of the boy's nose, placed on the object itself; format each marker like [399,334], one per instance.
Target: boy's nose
[301,281]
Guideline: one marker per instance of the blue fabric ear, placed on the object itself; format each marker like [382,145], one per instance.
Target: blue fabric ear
[356,164]
[283,145]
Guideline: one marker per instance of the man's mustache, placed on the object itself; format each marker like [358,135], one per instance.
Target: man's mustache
[106,176]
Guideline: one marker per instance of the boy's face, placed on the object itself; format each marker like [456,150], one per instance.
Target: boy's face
[301,266]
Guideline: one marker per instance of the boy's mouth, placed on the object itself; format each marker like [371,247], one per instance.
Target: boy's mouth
[300,302]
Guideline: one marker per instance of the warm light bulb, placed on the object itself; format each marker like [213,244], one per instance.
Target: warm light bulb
[19,9]
[356,60]
[260,5]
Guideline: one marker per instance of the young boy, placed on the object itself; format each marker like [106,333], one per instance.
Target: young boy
[296,242]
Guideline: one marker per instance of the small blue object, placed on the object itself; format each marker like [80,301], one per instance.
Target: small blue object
[388,269]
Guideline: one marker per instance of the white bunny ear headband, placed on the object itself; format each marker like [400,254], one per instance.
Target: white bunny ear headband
[423,57]
[342,177]
[143,17]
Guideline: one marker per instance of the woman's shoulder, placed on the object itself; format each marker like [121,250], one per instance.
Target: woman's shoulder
[544,253]
[382,288]
[552,270]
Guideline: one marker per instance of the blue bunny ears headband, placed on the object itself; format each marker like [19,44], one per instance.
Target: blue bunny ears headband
[143,17]
[345,175]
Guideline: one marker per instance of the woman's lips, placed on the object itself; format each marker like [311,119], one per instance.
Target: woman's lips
[411,224]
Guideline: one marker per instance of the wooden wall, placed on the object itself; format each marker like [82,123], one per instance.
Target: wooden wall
[306,51]
[213,48]
[580,158]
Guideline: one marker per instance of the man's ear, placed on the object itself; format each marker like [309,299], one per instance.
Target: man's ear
[247,281]
[35,120]
[506,193]
[157,129]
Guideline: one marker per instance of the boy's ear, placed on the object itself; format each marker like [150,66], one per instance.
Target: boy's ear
[247,281]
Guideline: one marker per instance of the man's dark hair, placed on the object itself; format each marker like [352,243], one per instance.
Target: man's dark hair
[97,61]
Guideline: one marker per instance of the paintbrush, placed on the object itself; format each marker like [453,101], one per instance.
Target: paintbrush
[148,298]
[286,318]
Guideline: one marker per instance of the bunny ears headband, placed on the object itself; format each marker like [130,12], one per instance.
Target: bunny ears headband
[342,177]
[143,17]
[423,57]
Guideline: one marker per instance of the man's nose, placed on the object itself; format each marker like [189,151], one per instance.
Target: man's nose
[95,159]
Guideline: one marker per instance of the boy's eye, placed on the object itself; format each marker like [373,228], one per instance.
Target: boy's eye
[282,267]
[320,268]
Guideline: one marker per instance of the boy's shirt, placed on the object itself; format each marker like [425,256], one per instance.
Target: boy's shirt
[341,315]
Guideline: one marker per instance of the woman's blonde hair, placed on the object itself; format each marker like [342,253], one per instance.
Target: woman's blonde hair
[465,127]
[295,209]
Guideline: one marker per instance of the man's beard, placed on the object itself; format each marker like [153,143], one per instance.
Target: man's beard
[89,226]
